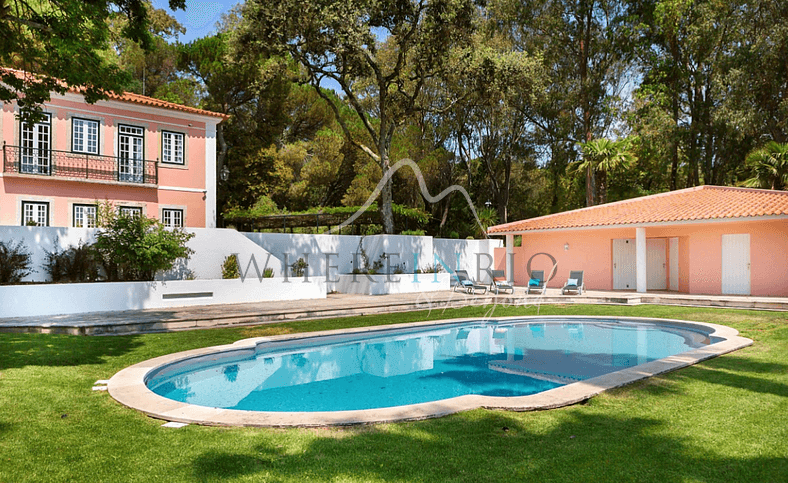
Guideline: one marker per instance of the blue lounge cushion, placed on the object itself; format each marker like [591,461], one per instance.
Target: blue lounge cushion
[534,282]
[467,283]
[572,282]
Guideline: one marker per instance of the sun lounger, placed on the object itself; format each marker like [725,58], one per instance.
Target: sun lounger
[499,282]
[575,283]
[467,283]
[537,283]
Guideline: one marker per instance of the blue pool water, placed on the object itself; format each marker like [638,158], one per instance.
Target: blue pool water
[408,366]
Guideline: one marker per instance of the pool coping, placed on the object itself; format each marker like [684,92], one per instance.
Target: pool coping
[128,386]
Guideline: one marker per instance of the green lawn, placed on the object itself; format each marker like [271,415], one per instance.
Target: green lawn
[723,420]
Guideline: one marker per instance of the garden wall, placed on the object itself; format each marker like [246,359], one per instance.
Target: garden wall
[394,283]
[210,245]
[471,252]
[75,298]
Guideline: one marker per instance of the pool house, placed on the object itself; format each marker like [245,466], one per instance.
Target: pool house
[710,240]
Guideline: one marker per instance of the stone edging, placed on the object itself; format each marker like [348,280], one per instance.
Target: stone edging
[128,386]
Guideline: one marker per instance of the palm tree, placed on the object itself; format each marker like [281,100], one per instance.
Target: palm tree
[770,165]
[487,218]
[603,156]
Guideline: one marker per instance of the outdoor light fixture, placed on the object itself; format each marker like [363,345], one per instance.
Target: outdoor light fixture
[224,173]
[566,247]
[488,204]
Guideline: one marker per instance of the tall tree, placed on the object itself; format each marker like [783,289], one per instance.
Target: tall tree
[62,44]
[604,157]
[493,84]
[685,55]
[339,42]
[152,69]
[585,49]
[754,85]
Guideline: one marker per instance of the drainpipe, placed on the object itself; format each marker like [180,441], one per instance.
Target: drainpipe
[640,267]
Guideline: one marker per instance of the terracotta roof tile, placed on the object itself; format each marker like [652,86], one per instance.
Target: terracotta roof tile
[691,204]
[150,101]
[130,97]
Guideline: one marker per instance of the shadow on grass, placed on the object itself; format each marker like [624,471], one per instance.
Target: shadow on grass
[742,373]
[20,350]
[492,446]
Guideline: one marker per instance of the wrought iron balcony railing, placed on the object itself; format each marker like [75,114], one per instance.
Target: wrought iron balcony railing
[65,164]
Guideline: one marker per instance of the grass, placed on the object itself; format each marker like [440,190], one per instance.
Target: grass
[722,420]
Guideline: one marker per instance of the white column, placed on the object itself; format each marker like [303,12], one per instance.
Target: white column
[640,266]
[510,258]
[210,175]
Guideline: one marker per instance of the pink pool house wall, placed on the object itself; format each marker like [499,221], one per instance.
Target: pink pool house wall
[705,240]
[144,155]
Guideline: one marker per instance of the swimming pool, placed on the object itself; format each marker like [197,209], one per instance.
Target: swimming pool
[417,370]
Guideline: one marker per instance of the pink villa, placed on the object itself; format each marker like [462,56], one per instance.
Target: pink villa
[145,155]
[705,240]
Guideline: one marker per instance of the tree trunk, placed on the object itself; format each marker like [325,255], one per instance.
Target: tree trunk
[386,196]
[385,208]
[586,15]
[674,145]
[222,154]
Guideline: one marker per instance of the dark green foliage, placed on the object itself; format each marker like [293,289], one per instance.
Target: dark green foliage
[230,267]
[65,42]
[769,166]
[136,248]
[14,262]
[299,267]
[75,264]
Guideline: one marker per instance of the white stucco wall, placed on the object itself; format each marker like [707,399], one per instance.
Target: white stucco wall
[475,256]
[210,246]
[345,246]
[75,298]
[388,284]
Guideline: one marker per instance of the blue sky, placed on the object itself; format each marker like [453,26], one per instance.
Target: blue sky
[200,16]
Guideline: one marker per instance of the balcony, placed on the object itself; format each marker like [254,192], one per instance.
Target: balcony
[79,166]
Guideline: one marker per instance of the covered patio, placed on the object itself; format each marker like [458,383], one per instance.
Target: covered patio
[705,240]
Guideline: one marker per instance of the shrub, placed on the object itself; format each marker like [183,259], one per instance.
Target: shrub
[268,273]
[299,267]
[75,264]
[436,268]
[413,232]
[136,248]
[230,267]
[14,262]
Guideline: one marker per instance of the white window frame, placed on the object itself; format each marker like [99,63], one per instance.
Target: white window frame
[172,217]
[131,153]
[84,135]
[84,215]
[132,211]
[36,143]
[37,211]
[173,148]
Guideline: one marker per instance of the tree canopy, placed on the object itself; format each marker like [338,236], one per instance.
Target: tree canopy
[381,54]
[532,106]
[62,44]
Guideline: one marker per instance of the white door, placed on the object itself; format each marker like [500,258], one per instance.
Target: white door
[36,147]
[674,264]
[736,264]
[624,269]
[130,142]
[656,264]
